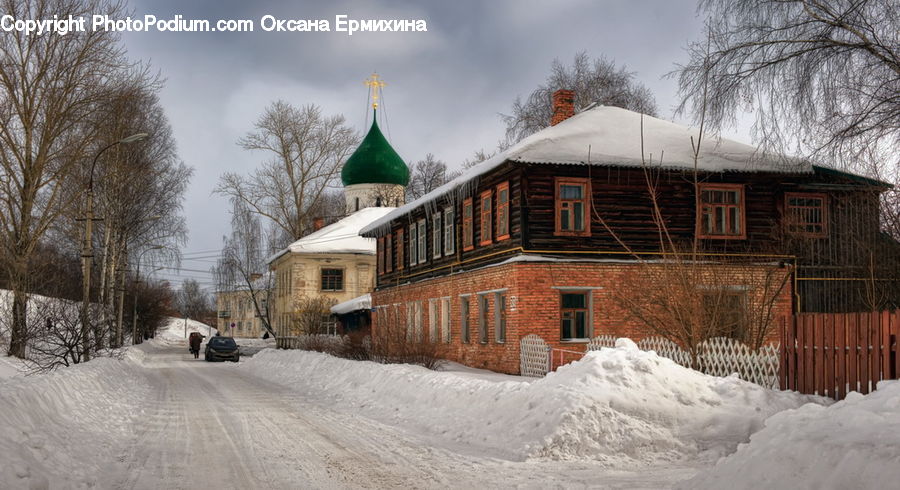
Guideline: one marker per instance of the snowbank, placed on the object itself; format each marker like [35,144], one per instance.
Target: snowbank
[617,406]
[854,443]
[10,366]
[175,330]
[50,424]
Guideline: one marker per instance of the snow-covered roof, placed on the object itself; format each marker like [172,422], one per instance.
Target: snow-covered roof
[614,137]
[363,302]
[341,237]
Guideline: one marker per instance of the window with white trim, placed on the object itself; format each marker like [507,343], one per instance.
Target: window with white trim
[500,317]
[436,235]
[410,320]
[433,315]
[423,244]
[445,319]
[484,307]
[413,245]
[449,231]
[419,307]
[464,308]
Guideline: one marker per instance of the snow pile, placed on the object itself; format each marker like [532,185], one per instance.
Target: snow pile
[10,366]
[618,406]
[50,424]
[176,331]
[854,443]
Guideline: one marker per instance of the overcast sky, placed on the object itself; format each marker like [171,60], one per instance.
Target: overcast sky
[445,89]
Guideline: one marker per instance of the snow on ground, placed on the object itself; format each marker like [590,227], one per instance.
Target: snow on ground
[178,329]
[10,366]
[619,418]
[619,406]
[854,443]
[49,423]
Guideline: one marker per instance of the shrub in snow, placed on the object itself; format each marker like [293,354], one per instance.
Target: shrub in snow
[854,443]
[618,406]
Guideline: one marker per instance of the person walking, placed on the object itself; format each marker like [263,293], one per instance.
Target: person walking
[195,340]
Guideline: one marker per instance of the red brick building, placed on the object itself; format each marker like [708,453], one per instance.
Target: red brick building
[561,236]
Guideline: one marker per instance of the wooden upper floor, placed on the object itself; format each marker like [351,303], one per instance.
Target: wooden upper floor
[818,217]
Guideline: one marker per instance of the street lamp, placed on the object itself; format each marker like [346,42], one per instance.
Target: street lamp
[87,253]
[137,279]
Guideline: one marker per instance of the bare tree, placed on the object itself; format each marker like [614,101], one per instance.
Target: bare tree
[821,77]
[242,265]
[427,175]
[596,80]
[139,189]
[50,86]
[192,301]
[312,315]
[306,152]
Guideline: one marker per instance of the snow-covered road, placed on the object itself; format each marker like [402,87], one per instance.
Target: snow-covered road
[155,417]
[215,426]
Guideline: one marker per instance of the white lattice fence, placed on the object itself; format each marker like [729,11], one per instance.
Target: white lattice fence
[723,356]
[666,348]
[601,341]
[534,356]
[719,356]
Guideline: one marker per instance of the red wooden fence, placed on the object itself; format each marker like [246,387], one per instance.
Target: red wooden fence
[831,354]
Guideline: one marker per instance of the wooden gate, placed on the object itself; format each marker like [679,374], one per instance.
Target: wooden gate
[831,354]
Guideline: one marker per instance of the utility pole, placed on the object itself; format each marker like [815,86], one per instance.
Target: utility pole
[121,306]
[87,253]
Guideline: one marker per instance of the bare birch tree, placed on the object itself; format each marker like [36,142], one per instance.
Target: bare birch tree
[192,301]
[306,151]
[242,266]
[50,86]
[820,77]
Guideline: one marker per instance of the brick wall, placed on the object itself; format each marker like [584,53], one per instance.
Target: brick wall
[532,292]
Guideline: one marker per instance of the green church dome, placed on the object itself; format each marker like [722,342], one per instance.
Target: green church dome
[375,162]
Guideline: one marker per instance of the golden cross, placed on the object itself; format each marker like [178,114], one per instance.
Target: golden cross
[375,84]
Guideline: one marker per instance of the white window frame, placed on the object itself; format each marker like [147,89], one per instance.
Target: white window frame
[410,320]
[419,307]
[483,307]
[436,235]
[433,315]
[423,241]
[413,245]
[500,317]
[449,229]
[445,319]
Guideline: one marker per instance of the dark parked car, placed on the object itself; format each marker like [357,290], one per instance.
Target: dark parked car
[222,349]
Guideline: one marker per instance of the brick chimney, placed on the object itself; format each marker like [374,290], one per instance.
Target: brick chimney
[318,223]
[563,106]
